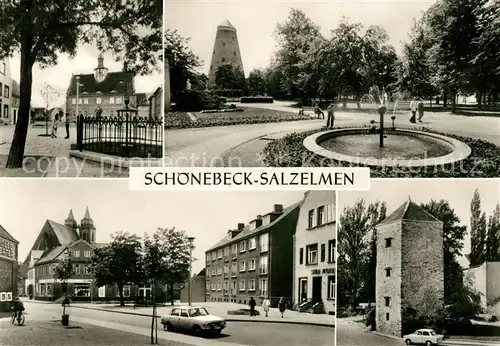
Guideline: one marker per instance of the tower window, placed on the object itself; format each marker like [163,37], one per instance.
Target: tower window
[388,271]
[223,43]
[388,242]
[387,301]
[387,316]
[234,53]
[223,59]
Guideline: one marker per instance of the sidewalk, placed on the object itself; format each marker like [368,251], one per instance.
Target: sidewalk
[220,310]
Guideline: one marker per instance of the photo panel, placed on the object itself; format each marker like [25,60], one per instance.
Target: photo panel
[419,262]
[294,92]
[86,101]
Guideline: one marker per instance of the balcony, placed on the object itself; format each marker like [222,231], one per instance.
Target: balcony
[226,275]
[234,274]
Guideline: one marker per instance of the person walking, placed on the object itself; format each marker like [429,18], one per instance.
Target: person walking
[420,108]
[331,116]
[55,123]
[318,111]
[266,304]
[282,306]
[252,304]
[413,108]
[68,122]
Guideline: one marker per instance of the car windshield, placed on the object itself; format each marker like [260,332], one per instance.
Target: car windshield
[198,312]
[433,332]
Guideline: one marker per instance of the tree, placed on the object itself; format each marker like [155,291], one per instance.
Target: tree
[49,95]
[356,226]
[257,82]
[477,231]
[229,77]
[493,236]
[118,263]
[40,30]
[453,234]
[64,271]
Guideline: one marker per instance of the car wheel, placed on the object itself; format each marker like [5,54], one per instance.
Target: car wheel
[197,330]
[169,326]
[408,341]
[428,343]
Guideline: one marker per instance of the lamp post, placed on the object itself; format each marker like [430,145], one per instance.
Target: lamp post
[191,241]
[77,93]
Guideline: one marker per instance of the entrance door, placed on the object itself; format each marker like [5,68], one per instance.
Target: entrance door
[316,289]
[302,290]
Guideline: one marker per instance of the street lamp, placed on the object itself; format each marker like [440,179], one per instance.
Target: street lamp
[191,241]
[77,93]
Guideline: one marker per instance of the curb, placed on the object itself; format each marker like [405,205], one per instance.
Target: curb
[227,319]
[387,336]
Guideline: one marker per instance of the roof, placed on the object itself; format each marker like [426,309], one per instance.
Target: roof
[142,99]
[226,24]
[52,254]
[6,235]
[64,234]
[411,212]
[112,83]
[246,232]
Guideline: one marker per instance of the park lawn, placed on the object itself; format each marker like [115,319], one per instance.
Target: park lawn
[248,116]
[52,333]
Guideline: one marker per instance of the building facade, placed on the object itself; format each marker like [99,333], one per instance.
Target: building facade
[314,281]
[100,90]
[486,280]
[406,237]
[254,260]
[226,50]
[155,104]
[8,269]
[6,98]
[198,291]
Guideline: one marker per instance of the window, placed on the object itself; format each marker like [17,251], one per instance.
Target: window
[98,100]
[331,287]
[86,101]
[73,101]
[242,285]
[388,271]
[219,286]
[207,287]
[175,312]
[226,269]
[251,285]
[214,271]
[1,86]
[252,244]
[234,269]
[225,286]
[264,242]
[184,313]
[301,256]
[263,265]
[208,273]
[234,53]
[388,242]
[387,316]
[3,68]
[76,269]
[321,214]
[226,252]
[233,287]
[118,100]
[323,252]
[50,270]
[88,269]
[80,101]
[76,253]
[208,257]
[310,222]
[223,44]
[6,91]
[219,270]
[111,100]
[387,301]
[214,287]
[243,246]
[312,254]
[214,255]
[331,250]
[242,266]
[86,253]
[251,265]
[263,287]
[234,251]
[219,254]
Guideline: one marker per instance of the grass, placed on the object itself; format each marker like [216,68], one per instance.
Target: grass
[250,115]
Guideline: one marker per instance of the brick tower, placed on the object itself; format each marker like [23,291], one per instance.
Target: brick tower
[410,267]
[226,49]
[87,228]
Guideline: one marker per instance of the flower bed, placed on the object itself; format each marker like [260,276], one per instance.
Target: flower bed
[177,120]
[484,161]
[228,110]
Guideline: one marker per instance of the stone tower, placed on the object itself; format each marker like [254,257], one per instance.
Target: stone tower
[410,267]
[87,228]
[70,222]
[100,72]
[226,49]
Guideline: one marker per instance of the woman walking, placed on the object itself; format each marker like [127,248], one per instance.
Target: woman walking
[266,304]
[282,306]
[55,123]
[331,116]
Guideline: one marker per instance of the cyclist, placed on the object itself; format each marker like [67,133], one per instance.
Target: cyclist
[18,308]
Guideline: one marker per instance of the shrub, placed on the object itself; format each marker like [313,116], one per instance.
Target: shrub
[229,92]
[194,100]
[177,120]
[257,99]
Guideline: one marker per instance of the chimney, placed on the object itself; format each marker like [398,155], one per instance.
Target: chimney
[278,208]
[241,226]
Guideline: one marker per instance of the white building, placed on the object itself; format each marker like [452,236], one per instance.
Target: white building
[486,280]
[6,98]
[315,252]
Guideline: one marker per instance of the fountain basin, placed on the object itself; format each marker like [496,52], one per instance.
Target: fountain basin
[405,148]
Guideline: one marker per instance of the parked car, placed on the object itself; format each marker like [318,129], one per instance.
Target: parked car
[193,318]
[426,337]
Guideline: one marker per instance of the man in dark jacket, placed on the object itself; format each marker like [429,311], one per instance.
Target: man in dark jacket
[18,308]
[252,304]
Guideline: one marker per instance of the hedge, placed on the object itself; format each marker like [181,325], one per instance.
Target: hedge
[194,100]
[257,99]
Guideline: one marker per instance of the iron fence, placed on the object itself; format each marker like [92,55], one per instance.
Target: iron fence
[125,136]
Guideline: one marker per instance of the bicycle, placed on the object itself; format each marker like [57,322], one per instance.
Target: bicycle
[20,318]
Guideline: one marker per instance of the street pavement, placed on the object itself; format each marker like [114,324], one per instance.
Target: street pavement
[241,145]
[236,333]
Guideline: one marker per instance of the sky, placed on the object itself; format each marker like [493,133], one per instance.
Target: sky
[84,62]
[458,192]
[256,22]
[207,216]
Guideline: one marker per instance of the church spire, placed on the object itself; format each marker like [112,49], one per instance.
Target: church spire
[87,214]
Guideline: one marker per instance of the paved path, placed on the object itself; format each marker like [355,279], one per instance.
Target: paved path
[241,145]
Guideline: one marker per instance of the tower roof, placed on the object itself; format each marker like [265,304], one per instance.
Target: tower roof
[226,24]
[70,215]
[87,213]
[410,211]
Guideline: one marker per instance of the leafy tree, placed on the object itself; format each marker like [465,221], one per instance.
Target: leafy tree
[356,258]
[49,95]
[257,82]
[493,236]
[40,30]
[119,263]
[453,234]
[478,227]
[466,302]
[275,82]
[228,76]
[63,271]
[199,81]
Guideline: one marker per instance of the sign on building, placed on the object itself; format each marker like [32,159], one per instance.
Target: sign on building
[7,249]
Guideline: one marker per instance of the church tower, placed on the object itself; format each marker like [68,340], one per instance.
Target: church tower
[410,268]
[100,72]
[226,49]
[87,228]
[70,221]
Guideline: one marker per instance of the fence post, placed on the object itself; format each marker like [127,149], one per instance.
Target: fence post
[79,132]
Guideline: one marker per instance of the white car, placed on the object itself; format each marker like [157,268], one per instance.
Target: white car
[193,318]
[426,337]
